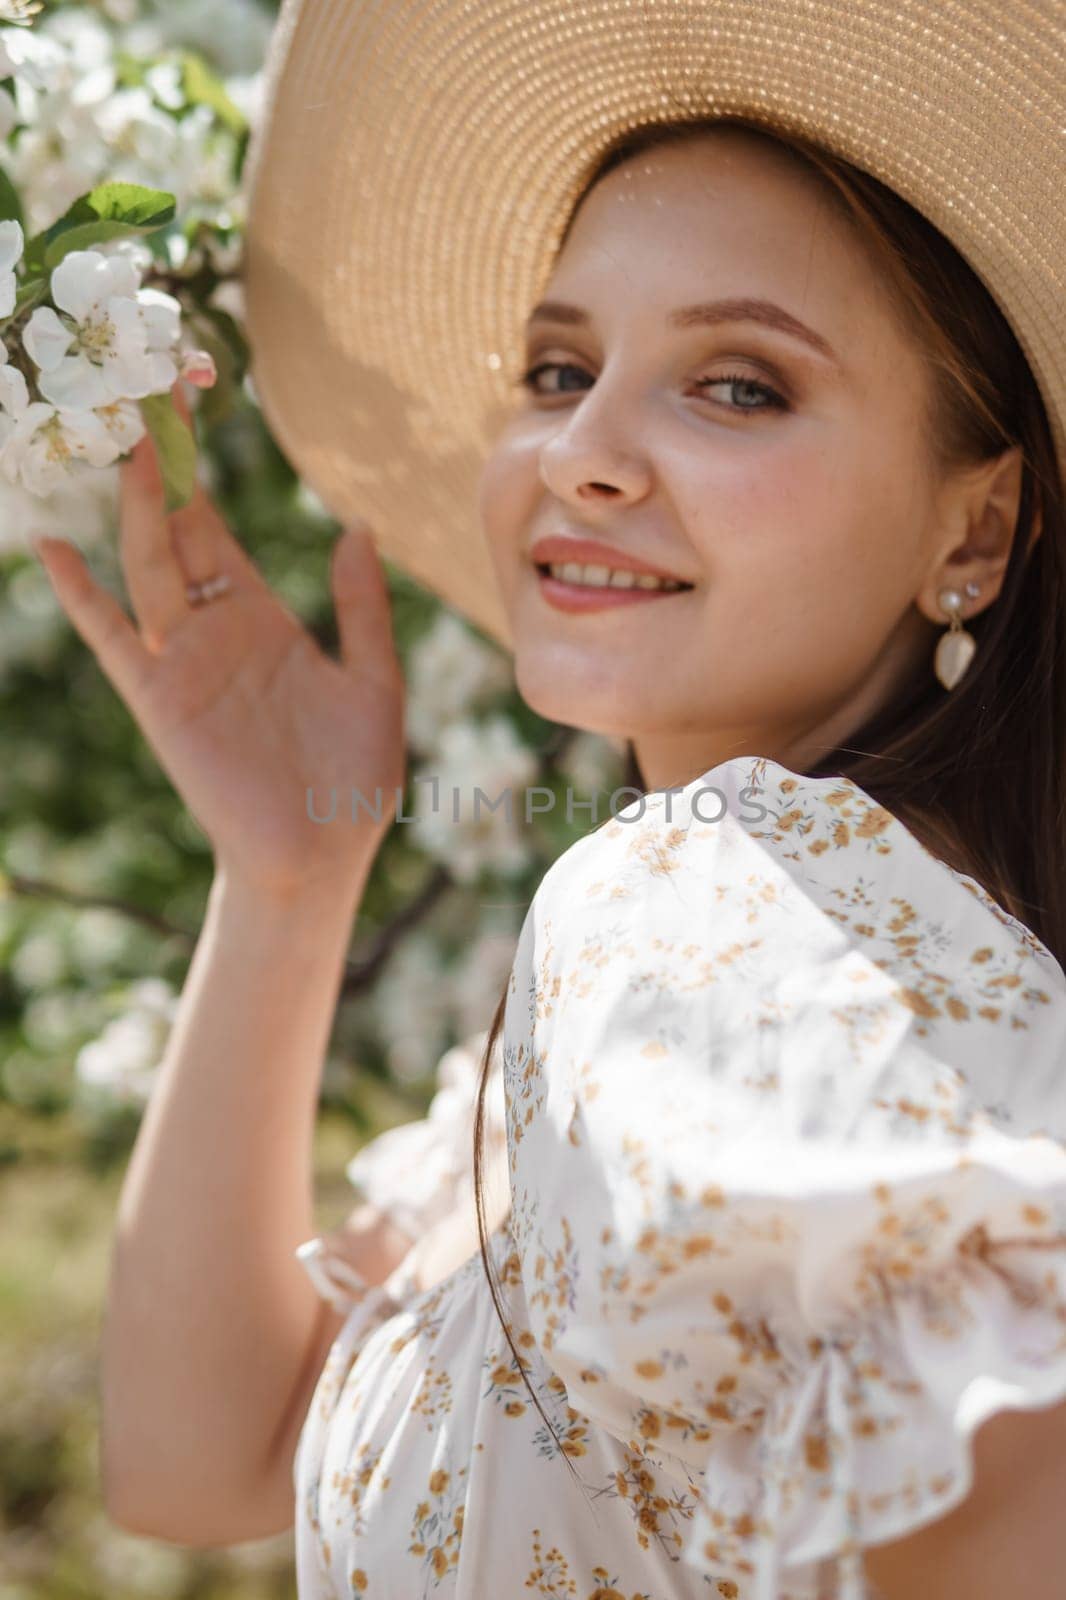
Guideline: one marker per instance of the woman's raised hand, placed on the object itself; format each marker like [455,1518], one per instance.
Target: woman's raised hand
[242,708]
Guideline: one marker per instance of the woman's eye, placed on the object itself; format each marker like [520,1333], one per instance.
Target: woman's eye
[737,381]
[529,379]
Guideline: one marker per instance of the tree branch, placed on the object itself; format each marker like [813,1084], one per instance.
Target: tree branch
[358,973]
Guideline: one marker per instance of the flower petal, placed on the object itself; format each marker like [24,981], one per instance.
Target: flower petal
[162,316]
[14,393]
[128,373]
[81,283]
[88,438]
[124,422]
[77,384]
[162,372]
[124,314]
[45,339]
[8,293]
[12,243]
[122,276]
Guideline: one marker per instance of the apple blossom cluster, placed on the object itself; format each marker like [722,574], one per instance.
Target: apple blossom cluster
[105,305]
[103,343]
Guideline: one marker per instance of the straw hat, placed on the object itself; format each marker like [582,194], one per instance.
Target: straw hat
[416,162]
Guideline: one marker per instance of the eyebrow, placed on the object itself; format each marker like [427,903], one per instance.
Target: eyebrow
[706,314]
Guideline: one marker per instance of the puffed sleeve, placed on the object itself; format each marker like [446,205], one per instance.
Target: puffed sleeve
[786,1103]
[418,1173]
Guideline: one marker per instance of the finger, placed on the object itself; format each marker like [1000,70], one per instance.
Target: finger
[98,618]
[200,539]
[204,546]
[154,578]
[362,605]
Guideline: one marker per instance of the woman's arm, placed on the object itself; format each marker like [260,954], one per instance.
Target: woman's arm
[1007,1537]
[212,1327]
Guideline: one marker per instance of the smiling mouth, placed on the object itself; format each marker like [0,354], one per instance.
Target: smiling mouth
[612,580]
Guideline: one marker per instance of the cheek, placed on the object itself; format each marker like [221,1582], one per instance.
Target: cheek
[763,512]
[507,494]
[801,538]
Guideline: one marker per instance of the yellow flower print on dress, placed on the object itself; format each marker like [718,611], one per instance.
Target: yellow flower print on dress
[786,1146]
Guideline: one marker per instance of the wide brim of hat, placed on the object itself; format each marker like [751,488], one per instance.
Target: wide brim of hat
[416,162]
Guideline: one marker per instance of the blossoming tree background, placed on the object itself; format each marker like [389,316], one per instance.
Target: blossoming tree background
[123,131]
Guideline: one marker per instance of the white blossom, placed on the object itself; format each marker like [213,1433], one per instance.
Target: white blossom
[30,55]
[488,757]
[81,127]
[233,36]
[132,125]
[42,442]
[39,961]
[11,246]
[111,344]
[59,154]
[124,1061]
[450,672]
[165,79]
[135,251]
[247,92]
[162,319]
[412,1007]
[55,159]
[14,394]
[123,421]
[200,174]
[83,507]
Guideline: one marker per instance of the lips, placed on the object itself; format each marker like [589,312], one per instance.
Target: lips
[556,548]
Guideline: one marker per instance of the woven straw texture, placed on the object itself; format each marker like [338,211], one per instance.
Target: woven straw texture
[417,162]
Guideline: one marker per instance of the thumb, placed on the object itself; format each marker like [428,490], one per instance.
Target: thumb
[362,605]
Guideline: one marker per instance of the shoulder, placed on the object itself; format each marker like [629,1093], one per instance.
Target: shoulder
[752,875]
[742,812]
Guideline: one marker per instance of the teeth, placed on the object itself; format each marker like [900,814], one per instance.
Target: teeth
[597,577]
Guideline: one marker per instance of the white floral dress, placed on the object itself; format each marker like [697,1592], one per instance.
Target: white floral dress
[785,1112]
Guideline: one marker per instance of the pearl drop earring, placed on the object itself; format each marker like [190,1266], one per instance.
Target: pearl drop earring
[956,647]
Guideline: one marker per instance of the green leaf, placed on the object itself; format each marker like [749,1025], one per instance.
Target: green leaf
[215,331]
[119,209]
[10,203]
[175,448]
[31,291]
[231,331]
[125,202]
[203,88]
[129,69]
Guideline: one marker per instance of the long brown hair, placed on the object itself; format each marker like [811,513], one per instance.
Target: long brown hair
[977,774]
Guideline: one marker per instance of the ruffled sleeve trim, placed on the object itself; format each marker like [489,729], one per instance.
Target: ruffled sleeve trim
[787,1119]
[869,1435]
[421,1171]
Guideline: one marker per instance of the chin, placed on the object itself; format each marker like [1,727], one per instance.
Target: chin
[558,698]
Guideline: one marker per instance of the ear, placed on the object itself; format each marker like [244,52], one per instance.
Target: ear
[979,517]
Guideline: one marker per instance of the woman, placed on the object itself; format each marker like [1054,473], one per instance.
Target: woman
[783,1258]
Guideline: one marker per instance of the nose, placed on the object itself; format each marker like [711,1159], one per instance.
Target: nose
[587,463]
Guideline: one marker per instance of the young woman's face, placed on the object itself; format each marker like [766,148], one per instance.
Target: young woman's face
[786,484]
